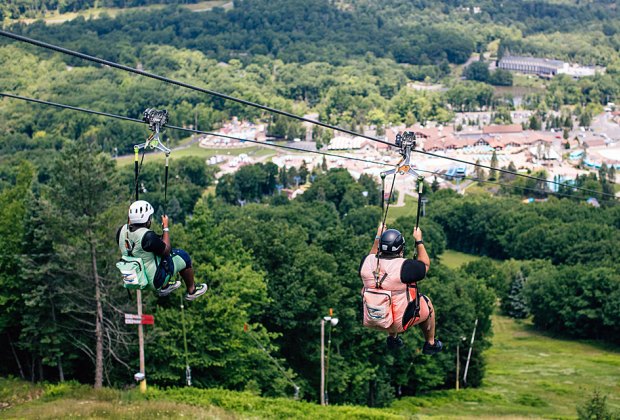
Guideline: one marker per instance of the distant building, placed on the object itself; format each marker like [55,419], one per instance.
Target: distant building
[345,143]
[595,142]
[502,129]
[577,154]
[531,65]
[546,67]
[576,71]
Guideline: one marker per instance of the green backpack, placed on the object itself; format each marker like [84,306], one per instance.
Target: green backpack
[132,269]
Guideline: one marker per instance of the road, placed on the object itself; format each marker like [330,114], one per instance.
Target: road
[603,124]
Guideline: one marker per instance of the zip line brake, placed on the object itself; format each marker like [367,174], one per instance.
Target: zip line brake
[157,120]
[406,142]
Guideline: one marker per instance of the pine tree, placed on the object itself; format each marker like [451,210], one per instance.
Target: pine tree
[494,163]
[84,189]
[303,172]
[282,178]
[516,304]
[480,174]
[596,408]
[14,203]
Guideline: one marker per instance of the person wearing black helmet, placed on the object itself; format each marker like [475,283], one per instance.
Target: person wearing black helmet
[391,299]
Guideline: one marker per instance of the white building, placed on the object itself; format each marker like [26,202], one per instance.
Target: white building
[546,67]
[531,65]
[345,143]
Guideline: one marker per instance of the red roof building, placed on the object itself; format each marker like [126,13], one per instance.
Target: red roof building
[502,129]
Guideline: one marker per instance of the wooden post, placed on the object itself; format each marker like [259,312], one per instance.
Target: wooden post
[322,362]
[458,365]
[141,340]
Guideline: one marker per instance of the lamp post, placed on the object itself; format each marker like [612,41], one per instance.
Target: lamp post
[333,322]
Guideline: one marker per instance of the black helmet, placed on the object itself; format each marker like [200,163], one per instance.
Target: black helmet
[391,242]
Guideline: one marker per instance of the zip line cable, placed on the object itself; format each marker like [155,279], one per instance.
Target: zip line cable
[259,106]
[182,84]
[135,120]
[190,130]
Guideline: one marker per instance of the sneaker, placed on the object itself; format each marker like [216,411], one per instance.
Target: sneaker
[171,287]
[432,349]
[394,343]
[201,289]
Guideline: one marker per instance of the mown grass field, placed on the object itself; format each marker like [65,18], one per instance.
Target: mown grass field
[53,17]
[455,259]
[409,209]
[254,152]
[529,375]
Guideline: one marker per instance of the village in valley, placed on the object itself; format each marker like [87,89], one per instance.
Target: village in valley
[563,154]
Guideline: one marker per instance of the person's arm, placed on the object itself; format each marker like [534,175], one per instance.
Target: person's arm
[153,243]
[421,250]
[375,244]
[166,235]
[413,271]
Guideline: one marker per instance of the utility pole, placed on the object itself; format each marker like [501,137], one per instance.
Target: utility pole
[188,370]
[322,362]
[333,321]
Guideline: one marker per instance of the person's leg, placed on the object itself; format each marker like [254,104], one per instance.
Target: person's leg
[428,326]
[188,278]
[183,266]
[163,282]
[394,342]
[432,345]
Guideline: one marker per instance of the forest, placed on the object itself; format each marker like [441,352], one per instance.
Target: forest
[276,266]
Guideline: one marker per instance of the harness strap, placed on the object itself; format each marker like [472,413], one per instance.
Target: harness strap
[393,292]
[166,183]
[379,283]
[410,316]
[384,215]
[128,246]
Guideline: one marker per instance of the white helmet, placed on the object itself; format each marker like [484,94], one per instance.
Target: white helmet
[140,212]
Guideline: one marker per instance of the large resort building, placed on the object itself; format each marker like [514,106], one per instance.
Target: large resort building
[546,67]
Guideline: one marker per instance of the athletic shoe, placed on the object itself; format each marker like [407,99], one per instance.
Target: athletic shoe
[394,343]
[201,289]
[432,349]
[171,287]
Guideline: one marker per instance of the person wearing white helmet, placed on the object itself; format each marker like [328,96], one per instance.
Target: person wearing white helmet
[161,261]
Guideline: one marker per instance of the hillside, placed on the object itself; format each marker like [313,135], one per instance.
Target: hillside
[278,236]
[529,375]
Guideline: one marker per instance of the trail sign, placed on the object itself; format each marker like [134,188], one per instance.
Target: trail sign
[139,319]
